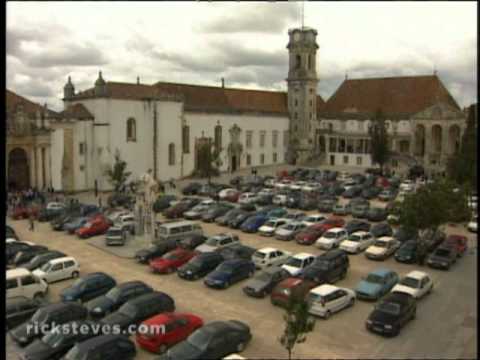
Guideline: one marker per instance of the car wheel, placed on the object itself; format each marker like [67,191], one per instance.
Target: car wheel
[38,296]
[162,348]
[351,302]
[75,274]
[240,347]
[327,314]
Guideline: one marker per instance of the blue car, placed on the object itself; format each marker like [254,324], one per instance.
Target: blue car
[230,272]
[276,213]
[253,223]
[77,223]
[376,284]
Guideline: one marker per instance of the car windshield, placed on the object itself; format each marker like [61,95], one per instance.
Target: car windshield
[114,294]
[259,255]
[162,230]
[200,339]
[46,267]
[271,223]
[171,256]
[410,282]
[381,243]
[129,310]
[314,298]
[295,262]
[212,241]
[330,235]
[39,317]
[311,219]
[442,252]
[374,278]
[388,307]
[53,338]
[114,232]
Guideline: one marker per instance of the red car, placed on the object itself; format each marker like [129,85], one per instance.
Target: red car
[331,222]
[459,242]
[96,226]
[310,234]
[233,196]
[174,327]
[282,292]
[171,261]
[24,212]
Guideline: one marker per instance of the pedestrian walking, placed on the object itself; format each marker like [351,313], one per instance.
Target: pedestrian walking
[31,220]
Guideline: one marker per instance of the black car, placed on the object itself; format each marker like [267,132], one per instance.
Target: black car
[381,229]
[120,200]
[265,199]
[229,215]
[377,214]
[407,253]
[88,287]
[214,340]
[371,192]
[403,234]
[357,225]
[433,239]
[392,313]
[326,205]
[139,309]
[237,250]
[104,347]
[50,214]
[116,297]
[443,257]
[42,258]
[236,222]
[192,189]
[143,256]
[11,249]
[44,318]
[59,225]
[327,268]
[181,207]
[230,272]
[26,255]
[352,192]
[216,211]
[18,310]
[200,265]
[191,242]
[264,282]
[308,203]
[54,344]
[163,202]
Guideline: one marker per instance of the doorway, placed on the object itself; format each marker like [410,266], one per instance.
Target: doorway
[18,171]
[234,163]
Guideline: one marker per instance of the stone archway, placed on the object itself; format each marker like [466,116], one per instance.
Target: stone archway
[453,139]
[437,138]
[18,169]
[420,140]
[235,148]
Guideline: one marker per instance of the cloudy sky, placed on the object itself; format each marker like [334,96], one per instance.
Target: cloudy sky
[201,42]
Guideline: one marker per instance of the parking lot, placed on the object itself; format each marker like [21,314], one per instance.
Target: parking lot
[445,326]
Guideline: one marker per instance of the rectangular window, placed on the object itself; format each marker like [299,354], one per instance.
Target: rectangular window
[186,139]
[359,160]
[341,145]
[249,159]
[81,148]
[367,146]
[262,138]
[274,157]
[333,145]
[249,139]
[350,146]
[345,159]
[358,146]
[262,159]
[274,138]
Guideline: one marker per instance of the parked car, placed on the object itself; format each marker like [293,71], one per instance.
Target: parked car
[216,339]
[433,239]
[407,252]
[26,255]
[388,194]
[289,231]
[381,229]
[352,192]
[192,188]
[376,214]
[230,272]
[269,228]
[326,299]
[341,209]
[75,224]
[247,198]
[382,248]
[314,219]
[443,257]
[21,282]
[459,242]
[326,205]
[472,225]
[97,226]
[191,242]
[105,347]
[177,327]
[200,265]
[215,211]
[331,222]
[19,309]
[291,287]
[163,202]
[116,297]
[253,223]
[268,256]
[42,258]
[177,211]
[88,287]
[237,250]
[264,282]
[415,283]
[308,203]
[329,267]
[170,261]
[55,343]
[407,185]
[371,192]
[377,283]
[297,263]
[44,318]
[309,235]
[360,210]
[331,238]
[217,241]
[228,216]
[120,200]
[58,269]
[391,314]
[12,248]
[143,256]
[357,242]
[239,219]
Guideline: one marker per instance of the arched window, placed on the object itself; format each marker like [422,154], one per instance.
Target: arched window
[298,61]
[131,130]
[186,139]
[218,137]
[171,154]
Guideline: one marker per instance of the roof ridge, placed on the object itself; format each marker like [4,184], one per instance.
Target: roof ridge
[394,77]
[217,87]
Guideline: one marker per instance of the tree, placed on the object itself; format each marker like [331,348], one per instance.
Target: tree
[379,140]
[117,174]
[431,207]
[462,167]
[208,160]
[298,322]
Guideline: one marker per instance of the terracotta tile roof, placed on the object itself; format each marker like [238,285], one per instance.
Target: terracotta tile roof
[13,101]
[396,96]
[76,111]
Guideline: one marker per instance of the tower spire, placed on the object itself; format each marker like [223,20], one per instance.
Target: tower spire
[303,14]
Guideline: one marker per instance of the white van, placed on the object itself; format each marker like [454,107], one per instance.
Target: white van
[126,221]
[176,230]
[21,282]
[58,269]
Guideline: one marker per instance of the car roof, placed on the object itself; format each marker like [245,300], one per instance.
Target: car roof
[386,238]
[324,290]
[398,297]
[84,346]
[177,223]
[62,259]
[381,271]
[132,283]
[360,233]
[303,255]
[152,295]
[336,229]
[13,273]
[415,274]
[267,249]
[291,281]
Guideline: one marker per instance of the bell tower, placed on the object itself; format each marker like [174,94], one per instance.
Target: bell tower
[302,92]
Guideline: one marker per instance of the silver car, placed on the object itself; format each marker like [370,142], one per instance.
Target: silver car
[288,231]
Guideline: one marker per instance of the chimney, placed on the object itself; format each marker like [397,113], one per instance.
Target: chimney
[223,83]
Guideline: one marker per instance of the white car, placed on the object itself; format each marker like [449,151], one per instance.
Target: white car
[357,242]
[313,219]
[382,248]
[270,226]
[280,199]
[116,214]
[294,216]
[217,242]
[295,264]
[10,240]
[127,220]
[226,192]
[265,192]
[284,184]
[247,198]
[324,300]
[21,282]
[288,231]
[268,256]
[472,225]
[407,186]
[331,238]
[55,206]
[297,185]
[308,187]
[58,269]
[416,283]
